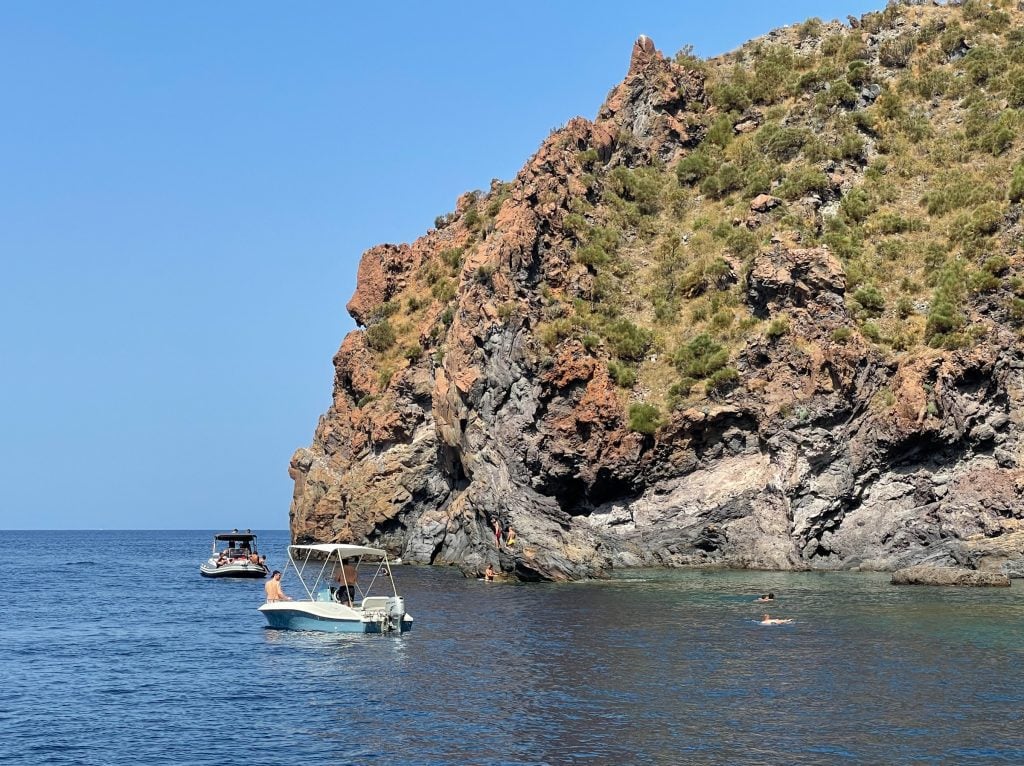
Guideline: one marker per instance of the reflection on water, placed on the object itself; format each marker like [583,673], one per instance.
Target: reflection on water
[648,667]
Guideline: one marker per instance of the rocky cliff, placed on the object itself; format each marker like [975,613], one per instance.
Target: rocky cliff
[764,311]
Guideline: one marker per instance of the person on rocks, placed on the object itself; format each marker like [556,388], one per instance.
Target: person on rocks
[273,588]
[489,573]
[768,620]
[497,531]
[510,541]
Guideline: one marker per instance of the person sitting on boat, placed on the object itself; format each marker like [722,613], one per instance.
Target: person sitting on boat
[767,620]
[273,588]
[510,541]
[489,573]
[222,559]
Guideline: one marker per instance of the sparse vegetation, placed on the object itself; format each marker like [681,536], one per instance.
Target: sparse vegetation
[778,327]
[897,145]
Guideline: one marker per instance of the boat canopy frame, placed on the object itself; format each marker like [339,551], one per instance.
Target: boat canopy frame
[248,537]
[334,555]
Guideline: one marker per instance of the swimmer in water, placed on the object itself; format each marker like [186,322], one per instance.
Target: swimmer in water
[768,620]
[768,597]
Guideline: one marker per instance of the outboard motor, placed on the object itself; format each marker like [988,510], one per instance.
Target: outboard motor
[396,611]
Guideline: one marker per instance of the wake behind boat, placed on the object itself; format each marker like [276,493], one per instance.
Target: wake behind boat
[335,600]
[239,556]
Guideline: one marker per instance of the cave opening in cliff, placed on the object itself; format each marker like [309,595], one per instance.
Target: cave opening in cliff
[571,495]
[576,498]
[450,463]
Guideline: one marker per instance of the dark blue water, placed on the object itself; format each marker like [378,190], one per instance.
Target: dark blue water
[113,650]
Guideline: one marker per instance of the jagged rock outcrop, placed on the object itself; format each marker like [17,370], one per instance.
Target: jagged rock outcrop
[826,452]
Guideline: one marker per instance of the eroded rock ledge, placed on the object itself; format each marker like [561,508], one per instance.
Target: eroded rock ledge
[928,575]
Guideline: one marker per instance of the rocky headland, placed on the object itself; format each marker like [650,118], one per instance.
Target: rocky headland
[763,311]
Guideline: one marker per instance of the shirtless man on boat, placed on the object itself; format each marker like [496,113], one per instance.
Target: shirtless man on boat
[345,577]
[273,588]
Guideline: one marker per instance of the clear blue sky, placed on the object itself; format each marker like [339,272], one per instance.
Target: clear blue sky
[186,189]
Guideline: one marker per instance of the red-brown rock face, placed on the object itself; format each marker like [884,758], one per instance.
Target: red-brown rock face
[381,276]
[654,104]
[476,393]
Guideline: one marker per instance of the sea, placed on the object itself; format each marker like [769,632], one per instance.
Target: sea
[113,650]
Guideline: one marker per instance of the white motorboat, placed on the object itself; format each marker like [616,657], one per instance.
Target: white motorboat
[346,589]
[234,554]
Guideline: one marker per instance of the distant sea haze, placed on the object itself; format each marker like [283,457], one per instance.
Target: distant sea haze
[116,652]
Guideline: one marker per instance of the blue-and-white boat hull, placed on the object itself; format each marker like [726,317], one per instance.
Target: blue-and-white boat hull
[330,617]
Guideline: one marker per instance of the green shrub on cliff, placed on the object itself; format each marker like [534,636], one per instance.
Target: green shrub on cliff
[627,340]
[781,143]
[945,319]
[381,336]
[778,327]
[695,167]
[803,180]
[592,255]
[453,258]
[641,186]
[644,418]
[700,358]
[870,299]
[721,381]
[623,374]
[1016,191]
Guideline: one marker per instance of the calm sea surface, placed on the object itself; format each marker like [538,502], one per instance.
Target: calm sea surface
[113,650]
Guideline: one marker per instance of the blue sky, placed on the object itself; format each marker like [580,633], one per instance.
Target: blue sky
[187,189]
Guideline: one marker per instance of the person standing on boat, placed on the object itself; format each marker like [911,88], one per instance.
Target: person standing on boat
[346,579]
[273,588]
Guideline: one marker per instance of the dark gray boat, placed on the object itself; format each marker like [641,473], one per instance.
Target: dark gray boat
[234,554]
